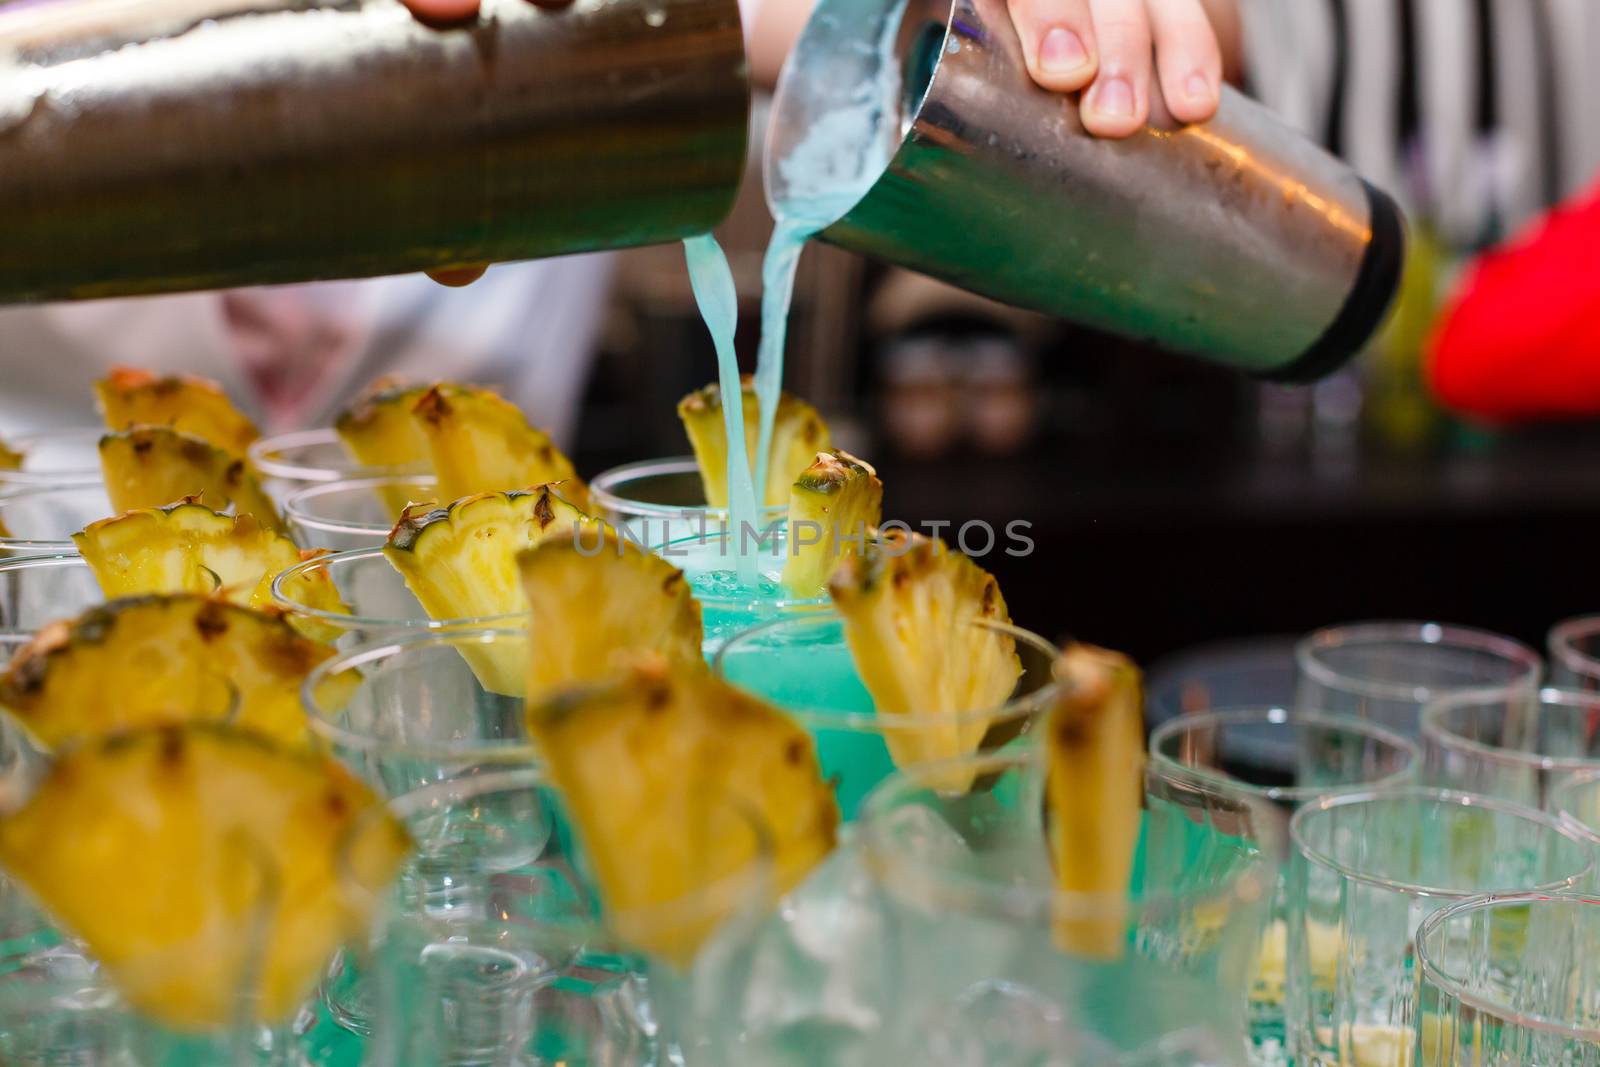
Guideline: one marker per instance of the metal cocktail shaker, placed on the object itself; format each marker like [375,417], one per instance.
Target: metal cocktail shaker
[163,145]
[1238,241]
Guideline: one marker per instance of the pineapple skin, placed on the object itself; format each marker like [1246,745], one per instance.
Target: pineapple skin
[162,657]
[841,498]
[911,608]
[167,849]
[672,777]
[1095,792]
[798,434]
[129,397]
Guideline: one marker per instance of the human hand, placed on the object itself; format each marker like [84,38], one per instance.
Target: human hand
[1105,47]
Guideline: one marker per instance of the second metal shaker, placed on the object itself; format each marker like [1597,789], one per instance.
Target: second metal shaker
[1238,241]
[151,146]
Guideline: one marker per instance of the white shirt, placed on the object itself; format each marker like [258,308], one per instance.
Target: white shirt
[529,328]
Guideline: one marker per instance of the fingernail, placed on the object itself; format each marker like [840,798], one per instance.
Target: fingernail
[1113,98]
[1062,51]
[1199,87]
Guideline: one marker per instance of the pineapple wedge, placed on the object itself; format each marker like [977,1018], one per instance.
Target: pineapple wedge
[152,659]
[479,442]
[1095,791]
[172,549]
[460,562]
[798,434]
[10,458]
[833,508]
[152,467]
[195,406]
[663,772]
[206,869]
[911,608]
[598,601]
[380,431]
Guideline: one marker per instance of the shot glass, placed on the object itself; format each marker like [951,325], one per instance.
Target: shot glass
[991,966]
[803,665]
[42,521]
[1389,671]
[1517,746]
[310,457]
[709,560]
[1253,673]
[54,458]
[35,590]
[1367,870]
[346,515]
[1576,802]
[1575,654]
[1509,981]
[661,501]
[1287,760]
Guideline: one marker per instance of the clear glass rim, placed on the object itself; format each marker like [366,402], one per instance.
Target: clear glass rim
[775,530]
[1434,974]
[37,546]
[1562,644]
[323,719]
[1028,902]
[1023,707]
[54,478]
[294,505]
[1275,716]
[26,563]
[1438,635]
[1438,733]
[282,599]
[264,455]
[1532,816]
[604,490]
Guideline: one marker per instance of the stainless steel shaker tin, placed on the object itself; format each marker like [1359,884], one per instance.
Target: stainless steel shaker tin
[153,146]
[1238,240]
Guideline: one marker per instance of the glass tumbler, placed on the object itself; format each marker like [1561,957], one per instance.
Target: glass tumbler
[1514,745]
[660,501]
[352,514]
[42,521]
[53,458]
[35,590]
[1575,654]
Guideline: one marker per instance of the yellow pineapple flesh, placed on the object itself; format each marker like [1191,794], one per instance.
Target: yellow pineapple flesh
[10,458]
[178,549]
[1095,755]
[152,467]
[479,442]
[380,431]
[205,868]
[798,434]
[916,619]
[157,659]
[597,602]
[460,562]
[129,397]
[671,778]
[834,507]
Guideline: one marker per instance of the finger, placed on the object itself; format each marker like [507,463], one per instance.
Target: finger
[1057,41]
[443,11]
[456,277]
[1118,103]
[1188,59]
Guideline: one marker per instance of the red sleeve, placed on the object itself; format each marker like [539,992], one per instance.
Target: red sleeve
[1520,339]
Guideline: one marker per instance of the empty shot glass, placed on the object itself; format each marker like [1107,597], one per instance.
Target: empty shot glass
[42,521]
[52,458]
[1514,745]
[353,514]
[1574,647]
[35,590]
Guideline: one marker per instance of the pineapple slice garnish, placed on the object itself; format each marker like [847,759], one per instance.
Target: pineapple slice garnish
[662,772]
[156,659]
[798,434]
[10,458]
[202,865]
[597,602]
[479,442]
[460,562]
[834,507]
[176,549]
[378,430]
[130,397]
[1095,792]
[151,467]
[912,610]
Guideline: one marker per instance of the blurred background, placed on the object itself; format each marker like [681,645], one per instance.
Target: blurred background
[1172,503]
